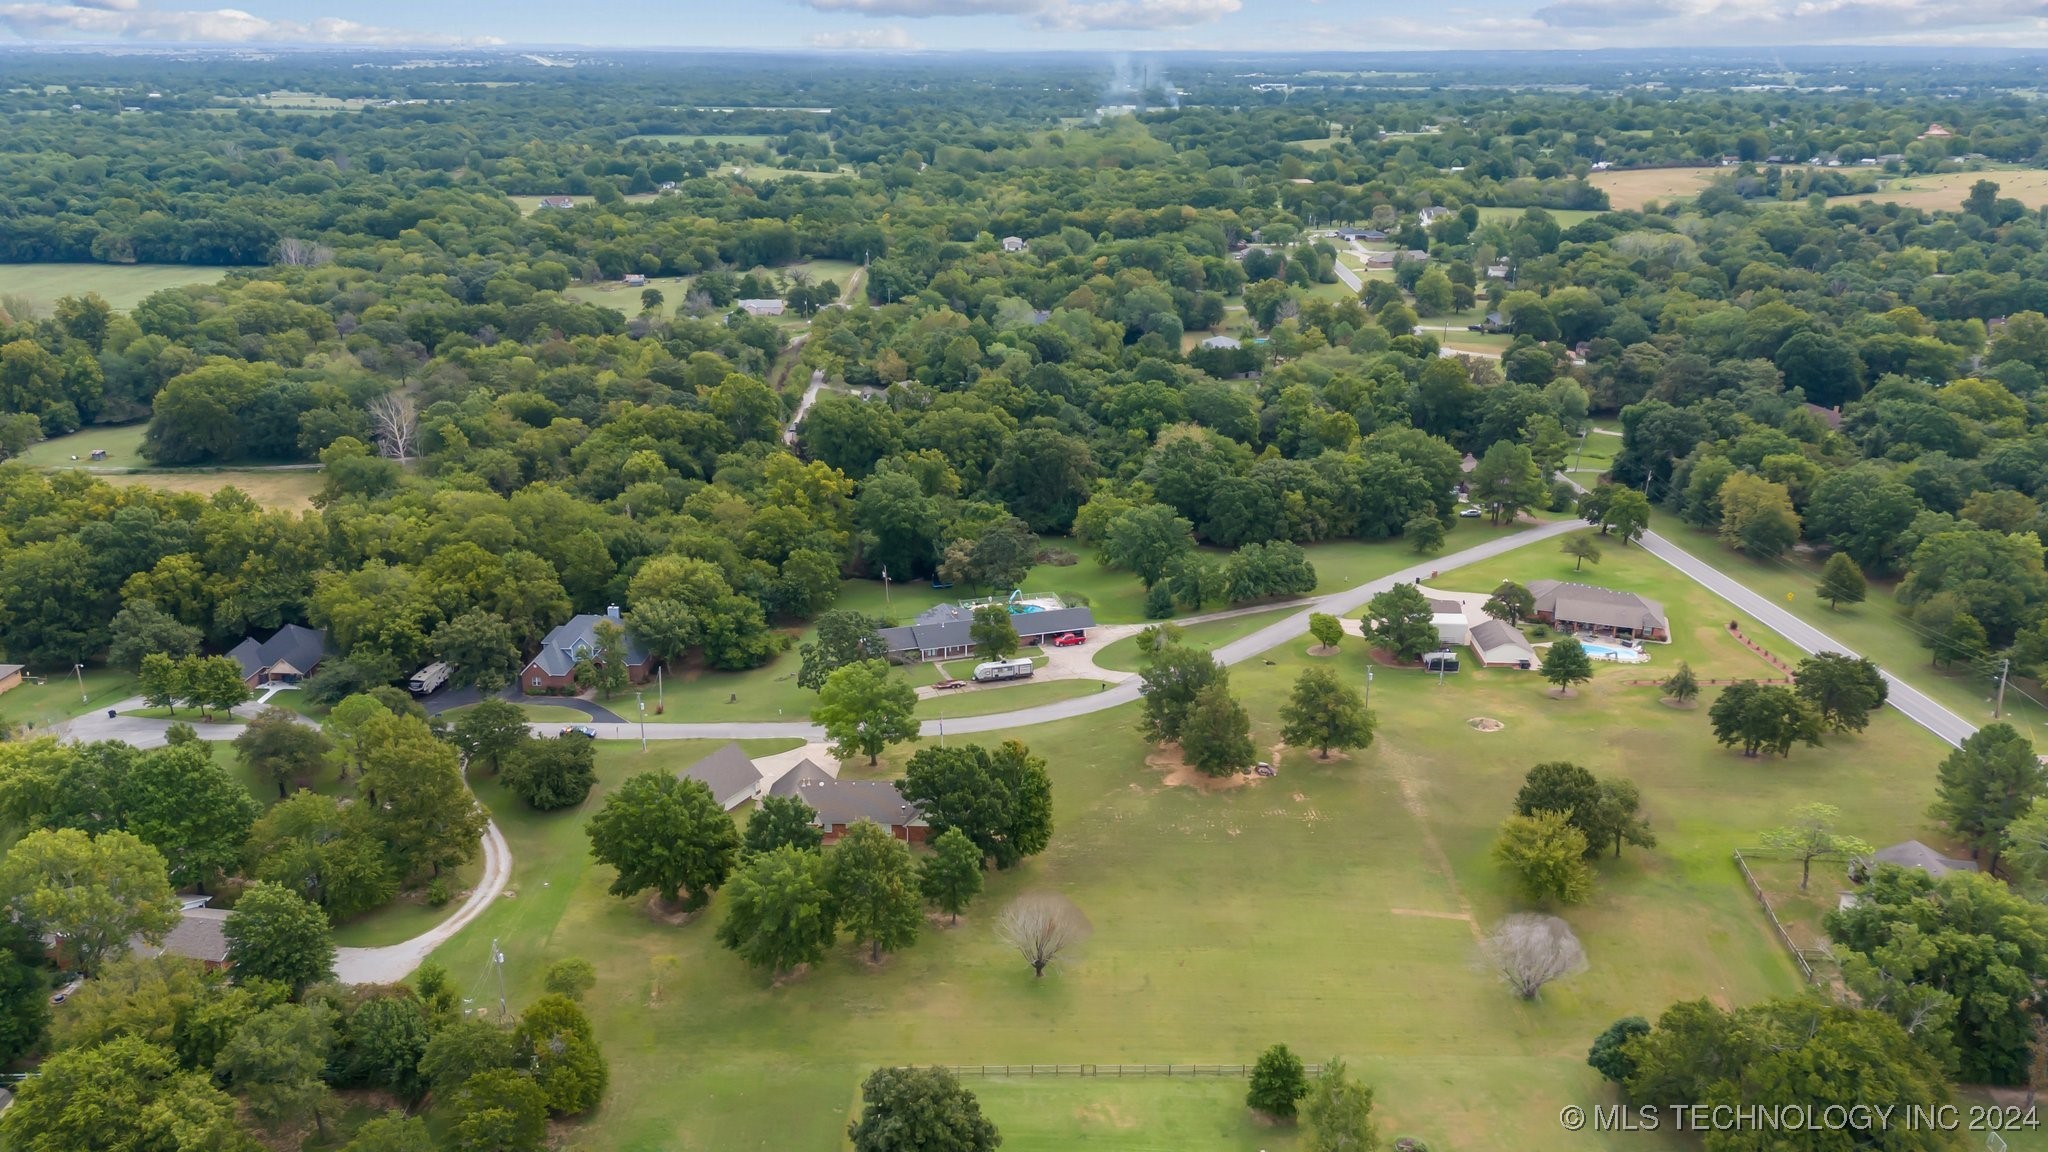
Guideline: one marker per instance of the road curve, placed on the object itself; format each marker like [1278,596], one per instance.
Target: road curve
[394,962]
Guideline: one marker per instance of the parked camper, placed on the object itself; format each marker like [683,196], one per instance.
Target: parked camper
[1440,661]
[430,678]
[1013,669]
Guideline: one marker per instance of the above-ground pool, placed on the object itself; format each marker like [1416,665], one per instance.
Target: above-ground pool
[1021,609]
[1618,655]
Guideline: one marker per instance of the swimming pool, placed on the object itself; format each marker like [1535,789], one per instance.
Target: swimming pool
[1599,651]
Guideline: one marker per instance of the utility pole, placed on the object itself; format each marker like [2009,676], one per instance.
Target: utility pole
[1998,709]
[640,698]
[1368,686]
[498,965]
[83,698]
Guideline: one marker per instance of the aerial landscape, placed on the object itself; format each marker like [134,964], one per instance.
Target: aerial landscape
[1134,575]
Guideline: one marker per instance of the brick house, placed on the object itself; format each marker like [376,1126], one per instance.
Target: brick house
[553,669]
[288,657]
[840,804]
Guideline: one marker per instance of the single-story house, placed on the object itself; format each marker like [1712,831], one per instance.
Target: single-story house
[1429,216]
[1914,854]
[635,280]
[1497,271]
[1831,416]
[840,804]
[762,307]
[1379,259]
[1499,646]
[557,202]
[729,773]
[1584,608]
[10,676]
[1372,235]
[200,934]
[1449,618]
[1014,244]
[1936,131]
[288,657]
[944,631]
[554,668]
[1229,343]
[1493,323]
[1041,627]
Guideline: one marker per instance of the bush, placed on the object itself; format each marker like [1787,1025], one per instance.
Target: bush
[551,774]
[1158,603]
[437,893]
[1058,557]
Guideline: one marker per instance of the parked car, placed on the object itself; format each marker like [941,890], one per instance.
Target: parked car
[1069,640]
[65,992]
[1470,513]
[583,730]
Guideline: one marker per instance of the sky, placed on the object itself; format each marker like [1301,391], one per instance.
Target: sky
[1079,25]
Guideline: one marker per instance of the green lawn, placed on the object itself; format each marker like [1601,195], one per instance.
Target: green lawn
[122,285]
[1593,457]
[59,697]
[539,713]
[1342,564]
[1335,908]
[1565,217]
[681,138]
[1005,698]
[122,443]
[617,294]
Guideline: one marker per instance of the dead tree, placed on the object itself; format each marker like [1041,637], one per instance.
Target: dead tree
[1529,951]
[1040,926]
[396,421]
[296,253]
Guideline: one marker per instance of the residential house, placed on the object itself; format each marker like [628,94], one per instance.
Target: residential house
[762,307]
[1429,216]
[288,657]
[1935,132]
[635,280]
[943,631]
[1498,271]
[1499,646]
[558,203]
[1227,343]
[10,676]
[1415,254]
[840,804]
[729,773]
[1372,236]
[200,934]
[554,668]
[1832,416]
[1014,244]
[1494,322]
[1574,607]
[1379,259]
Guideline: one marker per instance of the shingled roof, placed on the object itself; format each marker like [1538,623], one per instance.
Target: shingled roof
[840,802]
[577,639]
[729,773]
[295,645]
[1563,600]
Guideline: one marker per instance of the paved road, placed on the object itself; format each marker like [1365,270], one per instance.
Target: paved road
[1915,704]
[394,962]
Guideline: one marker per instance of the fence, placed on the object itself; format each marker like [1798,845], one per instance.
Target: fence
[1799,955]
[1012,1071]
[1735,630]
[1714,683]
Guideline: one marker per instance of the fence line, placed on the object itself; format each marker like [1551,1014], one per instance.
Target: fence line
[1735,630]
[1799,955]
[1714,682]
[1012,1071]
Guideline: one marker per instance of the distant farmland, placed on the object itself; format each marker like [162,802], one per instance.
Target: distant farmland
[1636,187]
[123,285]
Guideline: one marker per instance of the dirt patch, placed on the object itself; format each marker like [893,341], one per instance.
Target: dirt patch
[790,977]
[1681,705]
[1484,724]
[942,921]
[1176,772]
[1322,649]
[1106,1115]
[1387,659]
[674,915]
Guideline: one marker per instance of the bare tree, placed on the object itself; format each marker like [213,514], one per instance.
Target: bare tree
[396,421]
[1040,926]
[1528,951]
[297,253]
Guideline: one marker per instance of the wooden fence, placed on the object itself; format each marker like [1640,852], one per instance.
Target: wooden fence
[1014,1071]
[1802,956]
[1714,683]
[1736,631]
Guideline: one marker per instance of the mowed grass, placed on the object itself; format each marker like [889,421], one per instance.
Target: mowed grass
[60,696]
[626,297]
[122,285]
[1123,655]
[288,491]
[1005,697]
[1945,191]
[742,141]
[1565,217]
[1635,187]
[121,442]
[1336,908]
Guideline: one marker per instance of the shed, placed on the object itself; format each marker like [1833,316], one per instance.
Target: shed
[1449,618]
[729,773]
[1499,646]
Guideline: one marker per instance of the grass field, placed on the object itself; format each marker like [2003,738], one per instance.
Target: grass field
[1635,187]
[1003,698]
[1946,190]
[289,491]
[1336,908]
[122,285]
[680,138]
[59,697]
[122,443]
[1566,217]
[1123,656]
[626,298]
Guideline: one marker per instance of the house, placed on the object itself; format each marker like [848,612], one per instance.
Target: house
[200,934]
[1379,259]
[288,657]
[1914,854]
[10,676]
[729,773]
[1372,236]
[558,203]
[1832,417]
[1449,618]
[1493,323]
[944,631]
[1499,646]
[1935,132]
[1227,343]
[554,668]
[840,804]
[635,280]
[1415,254]
[762,307]
[1497,271]
[1429,216]
[1014,244]
[1576,607]
[1469,463]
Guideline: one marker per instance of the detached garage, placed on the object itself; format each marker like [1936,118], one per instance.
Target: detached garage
[1499,646]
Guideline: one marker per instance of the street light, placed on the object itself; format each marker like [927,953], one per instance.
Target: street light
[83,698]
[1368,689]
[640,698]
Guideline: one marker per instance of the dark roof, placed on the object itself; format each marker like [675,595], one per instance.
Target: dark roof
[1832,417]
[1447,607]
[951,626]
[847,801]
[1568,602]
[728,772]
[1053,620]
[1914,854]
[198,935]
[575,640]
[1490,635]
[301,647]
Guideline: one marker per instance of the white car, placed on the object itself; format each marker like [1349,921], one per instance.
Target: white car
[1470,513]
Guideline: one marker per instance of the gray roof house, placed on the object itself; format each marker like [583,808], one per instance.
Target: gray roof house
[200,934]
[944,630]
[1570,605]
[289,656]
[729,773]
[555,664]
[1914,854]
[1229,342]
[840,804]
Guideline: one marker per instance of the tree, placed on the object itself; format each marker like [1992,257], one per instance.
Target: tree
[873,885]
[1763,717]
[552,774]
[1216,737]
[382,1042]
[1609,1054]
[1617,818]
[1565,663]
[348,724]
[1757,515]
[426,818]
[498,1110]
[163,681]
[1323,712]
[490,731]
[1985,785]
[141,629]
[1000,798]
[864,709]
[25,992]
[1681,685]
[1042,926]
[461,1049]
[1043,477]
[275,1060]
[1845,690]
[1510,603]
[570,976]
[1626,514]
[1581,547]
[950,877]
[1401,622]
[273,934]
[1564,787]
[609,656]
[482,649]
[178,801]
[1171,679]
[1145,540]
[279,747]
[780,911]
[667,834]
[994,636]
[1507,482]
[841,637]
[1529,951]
[1278,1081]
[1327,629]
[1338,1111]
[94,893]
[1948,631]
[555,1042]
[396,421]
[392,1132]
[1841,581]
[1424,533]
[214,683]
[919,1110]
[1811,834]
[780,820]
[123,1095]
[1546,856]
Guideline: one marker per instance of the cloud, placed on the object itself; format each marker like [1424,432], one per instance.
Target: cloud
[1060,15]
[130,20]
[1795,21]
[923,8]
[1602,13]
[889,39]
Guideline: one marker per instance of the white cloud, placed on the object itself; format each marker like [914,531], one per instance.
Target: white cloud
[922,8]
[129,20]
[1063,15]
[889,39]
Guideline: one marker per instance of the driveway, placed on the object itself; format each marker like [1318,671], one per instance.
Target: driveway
[453,698]
[394,962]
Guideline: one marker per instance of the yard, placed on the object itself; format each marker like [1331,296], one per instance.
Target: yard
[289,489]
[122,285]
[60,696]
[1634,187]
[1336,908]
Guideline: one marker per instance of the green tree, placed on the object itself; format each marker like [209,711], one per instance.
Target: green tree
[1610,1056]
[1985,785]
[841,637]
[1565,663]
[1626,514]
[1845,690]
[1949,631]
[498,1110]
[1510,603]
[1546,856]
[119,1096]
[1172,676]
[552,774]
[1507,482]
[864,709]
[555,1042]
[214,683]
[1617,818]
[1323,712]
[919,1110]
[464,1047]
[872,881]
[1327,629]
[491,731]
[392,1132]
[1581,547]
[181,803]
[665,629]
[1811,834]
[275,1060]
[481,648]
[163,681]
[1278,1082]
[1564,787]
[348,723]
[1000,798]
[382,1042]
[94,893]
[1424,533]
[1216,736]
[780,911]
[424,815]
[780,820]
[1841,581]
[1145,540]
[1682,685]
[570,976]
[141,629]
[1339,1112]
[950,878]
[1401,622]
[279,747]
[273,934]
[609,657]
[25,992]
[667,834]
[1763,717]
[994,636]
